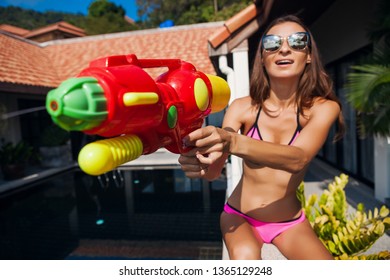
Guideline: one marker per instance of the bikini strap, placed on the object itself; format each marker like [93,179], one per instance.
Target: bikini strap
[255,125]
[258,115]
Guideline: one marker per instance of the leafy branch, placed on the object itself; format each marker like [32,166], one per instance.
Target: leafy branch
[346,235]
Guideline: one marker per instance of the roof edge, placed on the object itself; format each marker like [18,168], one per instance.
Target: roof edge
[133,32]
[24,88]
[239,21]
[231,25]
[16,37]
[13,29]
[61,25]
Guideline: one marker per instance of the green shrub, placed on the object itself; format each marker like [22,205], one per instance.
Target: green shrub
[15,153]
[346,235]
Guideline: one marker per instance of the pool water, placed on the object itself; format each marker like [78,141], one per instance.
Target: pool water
[49,219]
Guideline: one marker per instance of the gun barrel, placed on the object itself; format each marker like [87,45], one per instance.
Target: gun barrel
[105,155]
[77,104]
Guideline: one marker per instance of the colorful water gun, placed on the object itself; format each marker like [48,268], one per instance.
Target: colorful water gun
[117,99]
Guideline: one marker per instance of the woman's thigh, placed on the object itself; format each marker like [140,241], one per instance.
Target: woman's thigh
[300,242]
[241,240]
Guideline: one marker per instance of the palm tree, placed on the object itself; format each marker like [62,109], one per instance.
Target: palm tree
[369,86]
[369,94]
[369,91]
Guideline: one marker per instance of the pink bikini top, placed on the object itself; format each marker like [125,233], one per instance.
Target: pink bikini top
[254,131]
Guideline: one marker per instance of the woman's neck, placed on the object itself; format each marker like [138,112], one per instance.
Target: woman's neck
[283,95]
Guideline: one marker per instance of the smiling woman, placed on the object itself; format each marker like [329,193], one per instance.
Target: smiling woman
[291,100]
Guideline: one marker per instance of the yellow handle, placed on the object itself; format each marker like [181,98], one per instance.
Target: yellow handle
[105,155]
[140,98]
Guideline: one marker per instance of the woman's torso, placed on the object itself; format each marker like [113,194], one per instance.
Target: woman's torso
[264,193]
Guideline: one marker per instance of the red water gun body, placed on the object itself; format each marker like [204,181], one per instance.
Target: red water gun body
[117,99]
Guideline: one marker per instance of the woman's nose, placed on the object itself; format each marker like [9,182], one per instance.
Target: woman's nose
[285,47]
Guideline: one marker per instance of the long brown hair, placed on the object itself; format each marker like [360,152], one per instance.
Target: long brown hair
[314,82]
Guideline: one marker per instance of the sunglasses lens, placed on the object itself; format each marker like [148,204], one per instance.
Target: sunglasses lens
[271,43]
[298,41]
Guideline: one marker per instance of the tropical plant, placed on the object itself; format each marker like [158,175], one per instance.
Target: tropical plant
[346,234]
[369,91]
[15,153]
[13,158]
[368,86]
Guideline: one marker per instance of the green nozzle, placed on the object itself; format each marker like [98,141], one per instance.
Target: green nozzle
[77,104]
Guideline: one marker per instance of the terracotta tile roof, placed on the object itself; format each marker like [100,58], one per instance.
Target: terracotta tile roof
[188,43]
[62,26]
[14,29]
[48,64]
[24,62]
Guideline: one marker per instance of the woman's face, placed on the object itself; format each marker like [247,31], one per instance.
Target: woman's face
[285,62]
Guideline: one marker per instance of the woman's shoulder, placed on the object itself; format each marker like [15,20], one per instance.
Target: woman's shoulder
[241,109]
[325,108]
[244,102]
[242,105]
[320,103]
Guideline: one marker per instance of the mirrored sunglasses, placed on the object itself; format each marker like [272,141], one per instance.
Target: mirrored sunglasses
[296,41]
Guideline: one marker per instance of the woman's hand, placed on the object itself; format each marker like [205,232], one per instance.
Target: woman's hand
[211,147]
[191,166]
[210,143]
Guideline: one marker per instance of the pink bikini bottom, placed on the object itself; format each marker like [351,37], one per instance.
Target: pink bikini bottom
[267,231]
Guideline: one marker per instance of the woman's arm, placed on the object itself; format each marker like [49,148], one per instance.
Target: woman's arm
[293,159]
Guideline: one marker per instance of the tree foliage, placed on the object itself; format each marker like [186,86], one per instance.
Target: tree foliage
[154,12]
[30,19]
[106,17]
[102,8]
[103,17]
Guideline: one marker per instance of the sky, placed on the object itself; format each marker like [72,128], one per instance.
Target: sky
[68,6]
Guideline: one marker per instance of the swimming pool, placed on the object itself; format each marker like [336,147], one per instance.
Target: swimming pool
[48,218]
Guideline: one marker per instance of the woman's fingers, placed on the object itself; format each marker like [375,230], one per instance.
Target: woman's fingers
[202,137]
[207,140]
[196,174]
[209,145]
[209,158]
[192,167]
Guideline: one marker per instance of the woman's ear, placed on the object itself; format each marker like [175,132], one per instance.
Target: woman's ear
[308,59]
